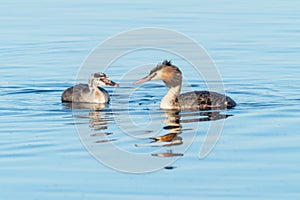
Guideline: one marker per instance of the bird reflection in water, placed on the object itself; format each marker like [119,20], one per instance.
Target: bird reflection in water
[98,120]
[176,122]
[168,153]
[84,106]
[174,128]
[173,125]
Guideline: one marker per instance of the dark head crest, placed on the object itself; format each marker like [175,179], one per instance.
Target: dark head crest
[167,63]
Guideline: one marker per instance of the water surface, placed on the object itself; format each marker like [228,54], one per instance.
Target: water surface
[255,46]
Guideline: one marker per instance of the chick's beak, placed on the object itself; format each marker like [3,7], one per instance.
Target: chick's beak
[111,83]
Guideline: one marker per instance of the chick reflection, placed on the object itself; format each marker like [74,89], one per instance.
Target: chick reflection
[99,122]
[96,118]
[84,106]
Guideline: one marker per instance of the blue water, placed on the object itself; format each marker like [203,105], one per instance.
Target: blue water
[255,47]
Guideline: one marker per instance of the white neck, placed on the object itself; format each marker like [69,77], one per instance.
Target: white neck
[169,100]
[96,95]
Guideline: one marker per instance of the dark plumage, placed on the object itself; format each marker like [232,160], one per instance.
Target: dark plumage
[205,100]
[172,77]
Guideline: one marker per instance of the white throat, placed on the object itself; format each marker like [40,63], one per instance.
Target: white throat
[95,95]
[169,101]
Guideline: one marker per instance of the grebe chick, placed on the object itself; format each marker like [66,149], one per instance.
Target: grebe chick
[200,100]
[91,92]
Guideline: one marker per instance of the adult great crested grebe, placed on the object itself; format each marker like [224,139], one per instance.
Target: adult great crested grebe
[91,92]
[201,100]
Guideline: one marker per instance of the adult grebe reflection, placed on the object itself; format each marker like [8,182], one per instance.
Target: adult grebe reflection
[174,128]
[174,125]
[172,138]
